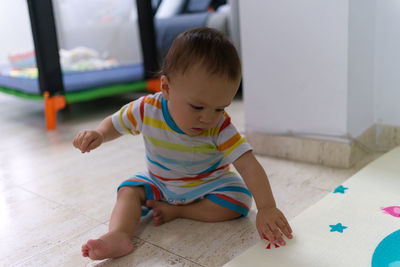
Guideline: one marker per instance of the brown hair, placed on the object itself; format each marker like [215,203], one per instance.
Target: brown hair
[206,46]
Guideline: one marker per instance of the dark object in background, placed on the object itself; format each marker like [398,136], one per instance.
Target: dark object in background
[147,38]
[193,6]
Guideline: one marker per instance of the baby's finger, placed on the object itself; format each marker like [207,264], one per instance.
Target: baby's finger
[94,144]
[269,234]
[89,146]
[285,229]
[86,140]
[289,228]
[77,140]
[261,234]
[287,225]
[261,231]
[286,222]
[277,235]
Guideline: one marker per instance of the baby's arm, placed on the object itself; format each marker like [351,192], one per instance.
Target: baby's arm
[270,220]
[87,140]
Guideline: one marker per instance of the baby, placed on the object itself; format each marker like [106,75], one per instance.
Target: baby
[190,143]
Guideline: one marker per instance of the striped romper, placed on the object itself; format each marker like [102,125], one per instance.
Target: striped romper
[182,169]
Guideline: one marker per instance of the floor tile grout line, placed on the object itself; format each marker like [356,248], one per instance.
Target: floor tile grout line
[180,256]
[51,247]
[99,223]
[23,261]
[60,204]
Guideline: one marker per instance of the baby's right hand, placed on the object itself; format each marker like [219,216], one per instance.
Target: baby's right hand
[87,140]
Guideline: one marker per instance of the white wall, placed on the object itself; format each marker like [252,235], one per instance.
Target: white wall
[16,36]
[295,66]
[361,65]
[320,67]
[374,64]
[387,42]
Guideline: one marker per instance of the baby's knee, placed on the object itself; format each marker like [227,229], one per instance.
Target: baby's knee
[132,192]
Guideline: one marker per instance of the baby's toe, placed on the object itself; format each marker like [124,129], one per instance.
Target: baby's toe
[85,250]
[157,221]
[156,213]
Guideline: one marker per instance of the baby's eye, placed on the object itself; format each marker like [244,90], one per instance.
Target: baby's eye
[219,110]
[196,107]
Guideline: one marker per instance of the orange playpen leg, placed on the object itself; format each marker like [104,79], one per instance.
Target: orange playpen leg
[51,105]
[154,85]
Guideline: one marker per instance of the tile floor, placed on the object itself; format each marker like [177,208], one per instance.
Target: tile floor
[53,198]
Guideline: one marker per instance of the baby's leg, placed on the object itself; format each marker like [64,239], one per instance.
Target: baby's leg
[204,210]
[124,219]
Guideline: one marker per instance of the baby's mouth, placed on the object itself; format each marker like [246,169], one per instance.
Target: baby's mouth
[198,129]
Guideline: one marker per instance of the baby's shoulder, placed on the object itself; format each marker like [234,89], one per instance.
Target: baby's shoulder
[224,121]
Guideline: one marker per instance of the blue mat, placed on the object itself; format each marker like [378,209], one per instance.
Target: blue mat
[80,80]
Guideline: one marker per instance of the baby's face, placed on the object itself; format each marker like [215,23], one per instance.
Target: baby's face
[196,99]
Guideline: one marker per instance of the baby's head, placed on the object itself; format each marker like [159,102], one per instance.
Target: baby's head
[207,47]
[199,78]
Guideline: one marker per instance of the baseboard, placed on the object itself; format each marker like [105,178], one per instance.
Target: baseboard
[380,138]
[335,153]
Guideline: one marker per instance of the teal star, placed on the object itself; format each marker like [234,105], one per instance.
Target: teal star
[340,189]
[337,228]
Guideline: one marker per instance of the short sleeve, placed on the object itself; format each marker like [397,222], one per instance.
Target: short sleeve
[230,142]
[128,118]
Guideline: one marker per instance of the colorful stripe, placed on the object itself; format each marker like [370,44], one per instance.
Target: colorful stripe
[207,148]
[213,167]
[131,118]
[226,122]
[152,101]
[151,190]
[156,123]
[195,183]
[142,108]
[202,190]
[229,203]
[211,132]
[241,141]
[158,164]
[185,163]
[230,142]
[197,177]
[168,118]
[122,121]
[234,189]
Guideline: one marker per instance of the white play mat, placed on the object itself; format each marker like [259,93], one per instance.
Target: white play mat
[358,224]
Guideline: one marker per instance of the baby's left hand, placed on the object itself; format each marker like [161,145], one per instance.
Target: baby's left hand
[272,223]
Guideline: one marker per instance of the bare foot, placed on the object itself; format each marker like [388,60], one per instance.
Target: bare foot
[162,212]
[110,245]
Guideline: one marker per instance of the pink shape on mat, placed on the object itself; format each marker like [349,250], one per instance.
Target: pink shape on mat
[393,210]
[269,243]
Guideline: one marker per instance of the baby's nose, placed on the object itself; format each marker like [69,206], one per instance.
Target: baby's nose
[206,117]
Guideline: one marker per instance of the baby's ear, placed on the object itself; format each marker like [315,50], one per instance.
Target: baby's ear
[165,86]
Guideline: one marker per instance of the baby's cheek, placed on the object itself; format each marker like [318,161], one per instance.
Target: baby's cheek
[218,119]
